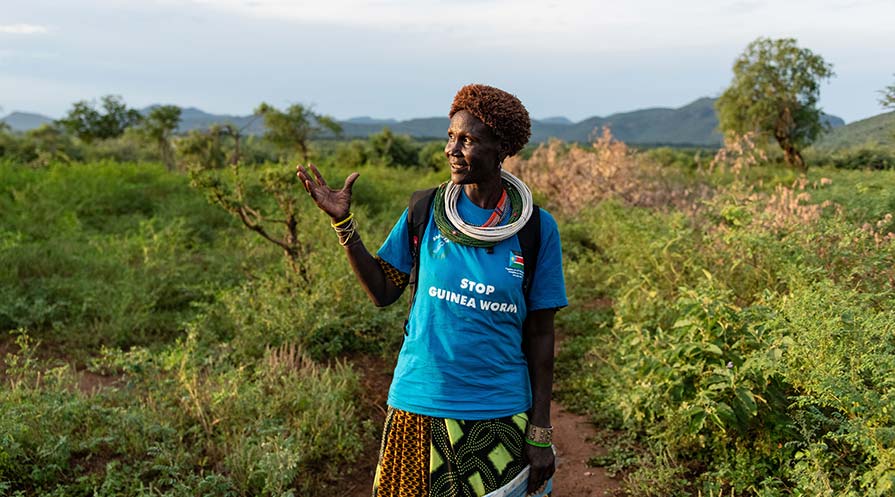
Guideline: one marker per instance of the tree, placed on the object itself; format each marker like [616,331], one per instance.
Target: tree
[295,127]
[775,89]
[89,124]
[392,150]
[888,100]
[211,149]
[158,127]
[230,193]
[202,149]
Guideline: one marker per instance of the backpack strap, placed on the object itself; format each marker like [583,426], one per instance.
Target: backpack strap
[530,242]
[417,220]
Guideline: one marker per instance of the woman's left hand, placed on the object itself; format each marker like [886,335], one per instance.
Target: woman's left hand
[543,464]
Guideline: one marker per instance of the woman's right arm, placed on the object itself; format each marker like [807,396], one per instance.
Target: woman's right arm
[337,205]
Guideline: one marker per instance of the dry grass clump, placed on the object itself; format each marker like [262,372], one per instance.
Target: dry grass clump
[879,232]
[572,177]
[789,206]
[739,152]
[782,210]
[287,357]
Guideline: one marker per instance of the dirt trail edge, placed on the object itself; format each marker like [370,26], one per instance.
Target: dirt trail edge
[572,435]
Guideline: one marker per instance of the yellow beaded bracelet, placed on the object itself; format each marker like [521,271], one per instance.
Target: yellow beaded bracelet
[340,223]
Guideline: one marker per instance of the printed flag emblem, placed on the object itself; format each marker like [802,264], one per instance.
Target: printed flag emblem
[516,260]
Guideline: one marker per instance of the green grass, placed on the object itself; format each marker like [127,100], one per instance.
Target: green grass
[741,346]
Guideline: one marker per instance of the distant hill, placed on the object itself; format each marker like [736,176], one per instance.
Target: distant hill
[874,131]
[556,120]
[425,127]
[23,121]
[692,124]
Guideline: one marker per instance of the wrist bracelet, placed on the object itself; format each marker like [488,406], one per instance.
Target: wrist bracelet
[346,229]
[539,434]
[537,444]
[340,223]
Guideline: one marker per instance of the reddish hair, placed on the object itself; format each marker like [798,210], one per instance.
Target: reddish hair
[502,112]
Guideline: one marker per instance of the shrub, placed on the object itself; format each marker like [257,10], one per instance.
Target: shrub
[571,178]
[742,342]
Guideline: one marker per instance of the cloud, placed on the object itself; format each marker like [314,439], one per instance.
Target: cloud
[22,29]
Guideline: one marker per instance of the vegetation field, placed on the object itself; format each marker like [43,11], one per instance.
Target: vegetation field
[731,322]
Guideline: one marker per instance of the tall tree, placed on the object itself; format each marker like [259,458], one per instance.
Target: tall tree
[294,128]
[775,89]
[158,127]
[89,124]
[888,98]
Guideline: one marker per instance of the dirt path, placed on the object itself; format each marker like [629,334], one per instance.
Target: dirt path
[572,435]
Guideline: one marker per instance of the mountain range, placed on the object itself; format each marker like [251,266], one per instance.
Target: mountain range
[876,131]
[693,124]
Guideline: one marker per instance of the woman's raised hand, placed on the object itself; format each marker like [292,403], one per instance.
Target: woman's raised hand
[336,203]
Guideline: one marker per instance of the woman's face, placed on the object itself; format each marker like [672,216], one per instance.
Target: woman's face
[473,150]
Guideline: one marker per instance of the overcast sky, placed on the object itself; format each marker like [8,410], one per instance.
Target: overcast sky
[407,58]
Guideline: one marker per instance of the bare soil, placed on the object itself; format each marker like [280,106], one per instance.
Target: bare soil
[573,435]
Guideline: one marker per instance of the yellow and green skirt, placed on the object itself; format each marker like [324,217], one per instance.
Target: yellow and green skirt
[422,456]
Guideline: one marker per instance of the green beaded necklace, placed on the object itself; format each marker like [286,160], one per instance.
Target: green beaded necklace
[453,234]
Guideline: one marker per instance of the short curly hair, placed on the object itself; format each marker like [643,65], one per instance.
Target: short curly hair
[502,112]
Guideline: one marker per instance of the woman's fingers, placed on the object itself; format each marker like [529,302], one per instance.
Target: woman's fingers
[543,465]
[536,480]
[349,182]
[303,177]
[317,174]
[308,188]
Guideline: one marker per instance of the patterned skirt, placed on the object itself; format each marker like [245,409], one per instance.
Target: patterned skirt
[422,456]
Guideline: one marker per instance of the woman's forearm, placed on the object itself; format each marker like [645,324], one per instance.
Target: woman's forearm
[372,278]
[539,336]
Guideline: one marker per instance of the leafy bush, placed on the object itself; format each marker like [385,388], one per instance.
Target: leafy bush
[744,342]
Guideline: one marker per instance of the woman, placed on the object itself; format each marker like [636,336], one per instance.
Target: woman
[469,405]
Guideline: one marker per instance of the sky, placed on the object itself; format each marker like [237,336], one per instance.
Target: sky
[406,58]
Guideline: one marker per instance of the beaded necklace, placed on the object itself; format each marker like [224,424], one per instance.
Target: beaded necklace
[514,198]
[497,216]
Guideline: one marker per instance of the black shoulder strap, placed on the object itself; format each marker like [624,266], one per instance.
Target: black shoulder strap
[417,219]
[530,241]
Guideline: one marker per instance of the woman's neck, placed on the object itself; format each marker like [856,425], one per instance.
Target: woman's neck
[485,194]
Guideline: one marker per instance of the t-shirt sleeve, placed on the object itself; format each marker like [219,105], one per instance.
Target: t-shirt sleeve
[548,288]
[395,250]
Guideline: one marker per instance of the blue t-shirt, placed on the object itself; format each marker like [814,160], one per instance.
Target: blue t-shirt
[462,357]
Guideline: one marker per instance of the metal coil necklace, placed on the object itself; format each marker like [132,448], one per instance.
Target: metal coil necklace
[452,226]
